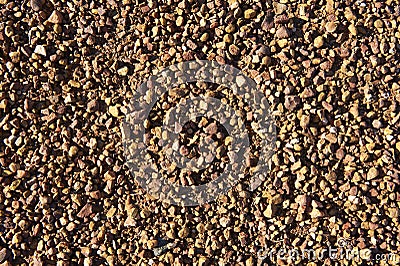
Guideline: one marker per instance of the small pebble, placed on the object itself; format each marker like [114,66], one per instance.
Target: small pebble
[319,42]
[55,17]
[250,13]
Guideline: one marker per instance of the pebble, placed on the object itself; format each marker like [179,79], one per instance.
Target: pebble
[4,254]
[40,50]
[114,111]
[202,261]
[152,243]
[85,211]
[16,239]
[331,138]
[378,23]
[233,49]
[394,213]
[280,8]
[74,83]
[228,38]
[291,102]
[365,254]
[92,106]
[230,28]
[204,37]
[9,31]
[250,13]
[282,33]
[88,262]
[304,121]
[55,17]
[86,251]
[282,43]
[331,26]
[200,228]
[179,21]
[184,232]
[111,212]
[353,29]
[318,42]
[372,173]
[315,213]
[73,150]
[224,221]
[302,200]
[123,71]
[269,211]
[36,5]
[3,104]
[349,15]
[376,124]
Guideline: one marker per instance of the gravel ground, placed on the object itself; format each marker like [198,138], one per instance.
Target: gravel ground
[330,70]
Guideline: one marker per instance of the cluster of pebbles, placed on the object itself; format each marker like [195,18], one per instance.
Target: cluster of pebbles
[330,70]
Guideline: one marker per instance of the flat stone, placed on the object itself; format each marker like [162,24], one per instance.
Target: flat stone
[85,211]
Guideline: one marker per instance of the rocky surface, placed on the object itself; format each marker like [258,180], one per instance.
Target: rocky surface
[330,70]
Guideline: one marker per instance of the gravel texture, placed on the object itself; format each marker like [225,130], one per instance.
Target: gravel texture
[330,70]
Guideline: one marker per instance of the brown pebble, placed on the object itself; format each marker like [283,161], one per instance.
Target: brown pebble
[92,106]
[184,232]
[291,102]
[352,29]
[4,254]
[282,33]
[331,26]
[85,211]
[123,71]
[319,42]
[55,17]
[36,5]
[73,150]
